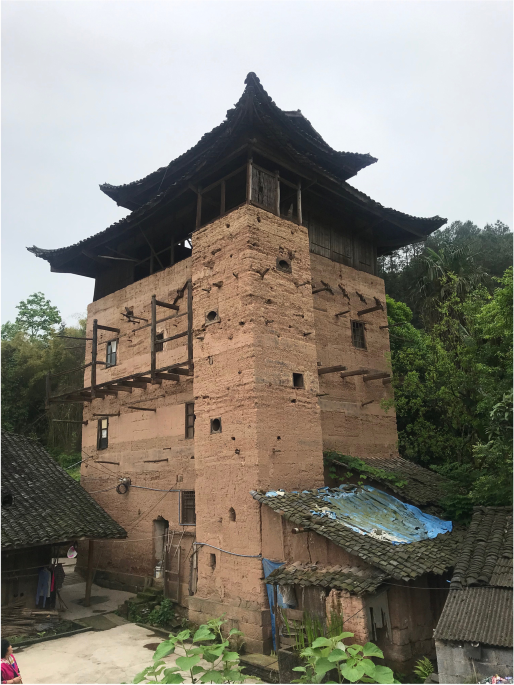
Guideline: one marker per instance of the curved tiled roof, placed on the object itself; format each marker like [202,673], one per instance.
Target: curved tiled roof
[485,557]
[254,102]
[48,505]
[351,579]
[290,132]
[404,562]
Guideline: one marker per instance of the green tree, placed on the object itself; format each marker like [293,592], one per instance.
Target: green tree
[36,316]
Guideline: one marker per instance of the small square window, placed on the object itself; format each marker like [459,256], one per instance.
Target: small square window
[298,380]
[159,346]
[112,347]
[103,434]
[187,508]
[190,420]
[358,339]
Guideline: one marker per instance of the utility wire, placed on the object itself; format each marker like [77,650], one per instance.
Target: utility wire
[248,556]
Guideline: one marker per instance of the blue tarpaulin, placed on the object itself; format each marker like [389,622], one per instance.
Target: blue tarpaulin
[268,567]
[369,511]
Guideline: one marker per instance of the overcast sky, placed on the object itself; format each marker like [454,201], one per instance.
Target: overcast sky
[108,91]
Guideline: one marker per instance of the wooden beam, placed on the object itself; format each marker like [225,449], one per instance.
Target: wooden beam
[249,179]
[107,328]
[393,325]
[330,369]
[167,305]
[363,404]
[117,414]
[153,336]
[168,376]
[152,380]
[222,201]
[142,409]
[370,309]
[173,337]
[84,423]
[319,290]
[115,463]
[277,198]
[299,203]
[133,384]
[346,311]
[119,388]
[94,349]
[199,207]
[376,376]
[190,325]
[72,337]
[357,372]
[90,572]
[181,372]
[386,381]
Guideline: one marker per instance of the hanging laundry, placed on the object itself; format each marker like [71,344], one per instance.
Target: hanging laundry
[43,585]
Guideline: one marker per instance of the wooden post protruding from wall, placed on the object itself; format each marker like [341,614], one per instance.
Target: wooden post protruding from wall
[299,203]
[153,334]
[90,573]
[190,325]
[277,195]
[249,180]
[222,200]
[94,350]
[199,207]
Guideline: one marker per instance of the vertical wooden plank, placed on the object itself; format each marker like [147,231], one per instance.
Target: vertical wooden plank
[199,207]
[299,203]
[94,349]
[153,333]
[222,202]
[277,197]
[90,572]
[249,179]
[190,325]
[277,620]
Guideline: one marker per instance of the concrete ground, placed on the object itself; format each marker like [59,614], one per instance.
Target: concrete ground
[113,652]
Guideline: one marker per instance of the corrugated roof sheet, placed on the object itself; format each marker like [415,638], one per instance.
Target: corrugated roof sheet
[351,579]
[48,505]
[485,557]
[405,562]
[477,615]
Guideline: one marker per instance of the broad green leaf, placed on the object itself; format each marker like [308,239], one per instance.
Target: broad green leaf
[141,676]
[320,642]
[235,632]
[352,673]
[174,669]
[370,649]
[187,662]
[369,667]
[300,668]
[343,636]
[173,679]
[354,649]
[183,635]
[231,656]
[197,669]
[211,677]
[164,649]
[383,674]
[203,633]
[323,665]
[337,655]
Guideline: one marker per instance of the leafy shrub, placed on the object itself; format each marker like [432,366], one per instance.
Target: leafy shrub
[423,668]
[224,663]
[352,662]
[163,614]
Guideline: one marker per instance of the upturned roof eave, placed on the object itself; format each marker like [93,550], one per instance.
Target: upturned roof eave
[344,164]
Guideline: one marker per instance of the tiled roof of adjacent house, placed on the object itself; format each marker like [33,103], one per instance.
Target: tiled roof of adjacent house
[48,506]
[403,561]
[475,614]
[351,579]
[422,487]
[485,557]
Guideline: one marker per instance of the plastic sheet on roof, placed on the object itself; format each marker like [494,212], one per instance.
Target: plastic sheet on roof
[369,511]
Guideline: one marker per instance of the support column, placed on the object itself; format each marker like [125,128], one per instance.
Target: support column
[90,574]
